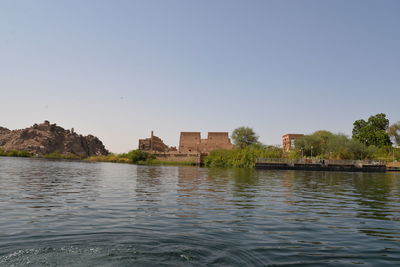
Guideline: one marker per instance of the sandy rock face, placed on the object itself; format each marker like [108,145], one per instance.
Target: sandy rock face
[4,130]
[46,138]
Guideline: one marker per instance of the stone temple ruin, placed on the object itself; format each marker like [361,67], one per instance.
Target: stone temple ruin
[154,144]
[191,146]
[191,142]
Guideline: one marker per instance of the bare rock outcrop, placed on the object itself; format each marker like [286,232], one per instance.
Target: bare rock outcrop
[46,138]
[4,130]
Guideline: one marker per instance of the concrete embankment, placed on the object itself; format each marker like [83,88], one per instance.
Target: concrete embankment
[321,165]
[393,166]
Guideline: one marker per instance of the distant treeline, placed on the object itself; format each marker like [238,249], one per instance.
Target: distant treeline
[324,144]
[333,147]
[371,139]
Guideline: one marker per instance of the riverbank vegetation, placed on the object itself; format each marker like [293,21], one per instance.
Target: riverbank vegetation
[321,144]
[324,144]
[133,156]
[27,154]
[371,140]
[241,157]
[138,157]
[247,150]
[15,153]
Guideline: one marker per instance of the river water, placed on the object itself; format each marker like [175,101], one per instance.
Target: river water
[59,213]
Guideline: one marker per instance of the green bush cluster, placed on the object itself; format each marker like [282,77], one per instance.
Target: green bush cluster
[241,157]
[15,153]
[387,153]
[135,156]
[324,144]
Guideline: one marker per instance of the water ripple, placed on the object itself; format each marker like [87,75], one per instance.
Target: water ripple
[59,213]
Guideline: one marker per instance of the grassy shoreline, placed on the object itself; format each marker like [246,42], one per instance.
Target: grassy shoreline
[151,161]
[112,158]
[236,158]
[16,153]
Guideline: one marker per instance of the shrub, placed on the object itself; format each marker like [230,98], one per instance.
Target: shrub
[241,157]
[15,153]
[134,156]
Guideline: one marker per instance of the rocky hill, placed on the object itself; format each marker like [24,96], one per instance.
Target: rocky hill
[46,138]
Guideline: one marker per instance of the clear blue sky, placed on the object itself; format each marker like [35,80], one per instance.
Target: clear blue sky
[119,69]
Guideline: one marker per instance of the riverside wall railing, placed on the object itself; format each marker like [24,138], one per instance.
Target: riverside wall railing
[292,162]
[312,164]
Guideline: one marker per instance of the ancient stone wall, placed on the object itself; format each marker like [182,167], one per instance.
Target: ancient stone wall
[217,140]
[189,142]
[192,142]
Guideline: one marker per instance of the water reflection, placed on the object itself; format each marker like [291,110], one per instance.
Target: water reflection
[245,190]
[374,194]
[153,184]
[189,180]
[148,178]
[190,192]
[198,182]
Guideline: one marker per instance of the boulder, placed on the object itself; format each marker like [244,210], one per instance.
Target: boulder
[46,138]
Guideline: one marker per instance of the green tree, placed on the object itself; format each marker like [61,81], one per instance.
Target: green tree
[315,144]
[325,144]
[373,131]
[394,132]
[244,136]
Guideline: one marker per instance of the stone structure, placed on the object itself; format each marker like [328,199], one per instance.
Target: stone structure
[288,141]
[191,147]
[154,144]
[46,138]
[191,142]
